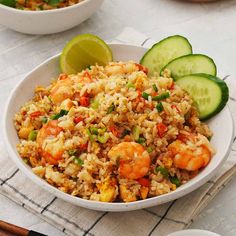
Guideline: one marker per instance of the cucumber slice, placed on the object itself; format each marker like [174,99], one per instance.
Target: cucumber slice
[9,3]
[165,51]
[191,64]
[209,92]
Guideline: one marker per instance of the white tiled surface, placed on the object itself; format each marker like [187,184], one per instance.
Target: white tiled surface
[209,27]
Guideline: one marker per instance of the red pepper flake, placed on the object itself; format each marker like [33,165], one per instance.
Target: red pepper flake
[144,182]
[63,76]
[84,101]
[175,107]
[139,92]
[142,68]
[35,114]
[172,85]
[83,147]
[185,137]
[86,74]
[154,94]
[162,129]
[114,130]
[78,119]
[182,138]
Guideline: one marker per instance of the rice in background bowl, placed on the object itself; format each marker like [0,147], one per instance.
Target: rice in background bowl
[48,21]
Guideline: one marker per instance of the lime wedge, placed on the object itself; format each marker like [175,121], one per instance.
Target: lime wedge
[82,51]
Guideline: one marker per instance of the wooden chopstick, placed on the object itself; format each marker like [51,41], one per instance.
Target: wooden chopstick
[7,229]
[5,233]
[19,231]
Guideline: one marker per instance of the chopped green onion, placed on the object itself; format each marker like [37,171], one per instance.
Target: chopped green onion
[130,85]
[94,104]
[44,120]
[125,132]
[155,87]
[58,115]
[103,138]
[40,7]
[175,180]
[26,161]
[145,95]
[161,96]
[78,161]
[159,107]
[94,130]
[149,149]
[102,130]
[162,170]
[91,137]
[141,140]
[111,108]
[53,2]
[49,98]
[209,138]
[32,135]
[89,67]
[72,152]
[136,132]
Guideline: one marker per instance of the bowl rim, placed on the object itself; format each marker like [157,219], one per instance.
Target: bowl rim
[30,12]
[97,205]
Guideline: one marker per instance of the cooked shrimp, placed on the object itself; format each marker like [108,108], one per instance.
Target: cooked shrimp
[134,160]
[51,147]
[191,153]
[62,90]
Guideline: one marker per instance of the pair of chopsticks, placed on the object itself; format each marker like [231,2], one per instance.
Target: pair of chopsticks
[7,229]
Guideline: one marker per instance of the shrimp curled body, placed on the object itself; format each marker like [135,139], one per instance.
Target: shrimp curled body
[134,160]
[192,154]
[50,147]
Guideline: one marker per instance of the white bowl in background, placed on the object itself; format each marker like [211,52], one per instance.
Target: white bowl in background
[221,125]
[193,232]
[47,21]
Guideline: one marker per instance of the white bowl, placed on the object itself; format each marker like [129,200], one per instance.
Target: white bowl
[221,124]
[47,21]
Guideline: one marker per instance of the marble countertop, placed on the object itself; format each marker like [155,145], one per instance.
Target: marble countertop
[209,27]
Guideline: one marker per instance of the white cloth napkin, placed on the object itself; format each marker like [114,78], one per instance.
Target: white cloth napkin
[73,220]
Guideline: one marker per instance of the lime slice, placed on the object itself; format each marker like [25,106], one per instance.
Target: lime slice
[82,51]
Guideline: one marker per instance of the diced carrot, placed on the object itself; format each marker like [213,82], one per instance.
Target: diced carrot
[86,74]
[83,146]
[142,68]
[175,107]
[172,85]
[185,137]
[182,137]
[78,119]
[144,182]
[161,128]
[114,130]
[84,101]
[139,92]
[35,114]
[63,76]
[144,192]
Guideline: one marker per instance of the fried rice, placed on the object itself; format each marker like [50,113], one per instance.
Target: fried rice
[113,134]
